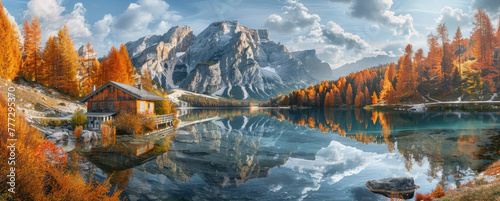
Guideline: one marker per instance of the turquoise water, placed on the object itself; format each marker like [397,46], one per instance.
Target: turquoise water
[313,154]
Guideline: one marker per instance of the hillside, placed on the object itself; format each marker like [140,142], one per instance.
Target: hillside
[362,64]
[175,95]
[38,101]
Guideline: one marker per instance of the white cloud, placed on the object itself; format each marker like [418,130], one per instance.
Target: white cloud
[51,18]
[379,11]
[335,35]
[333,44]
[295,18]
[454,18]
[139,19]
[102,27]
[333,55]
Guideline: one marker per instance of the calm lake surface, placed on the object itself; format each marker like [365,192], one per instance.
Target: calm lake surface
[312,154]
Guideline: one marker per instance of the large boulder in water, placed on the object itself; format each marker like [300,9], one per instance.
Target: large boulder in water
[88,136]
[402,186]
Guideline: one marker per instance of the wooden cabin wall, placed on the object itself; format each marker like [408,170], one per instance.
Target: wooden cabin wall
[121,100]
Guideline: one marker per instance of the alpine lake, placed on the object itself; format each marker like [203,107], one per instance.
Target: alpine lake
[281,154]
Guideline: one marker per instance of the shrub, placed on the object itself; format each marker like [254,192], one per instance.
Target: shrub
[50,91]
[78,132]
[422,197]
[438,192]
[79,119]
[128,123]
[164,107]
[149,124]
[54,123]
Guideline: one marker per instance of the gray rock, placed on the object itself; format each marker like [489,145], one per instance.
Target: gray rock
[88,136]
[395,184]
[58,136]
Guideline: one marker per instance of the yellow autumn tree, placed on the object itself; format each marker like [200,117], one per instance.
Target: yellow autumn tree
[10,58]
[31,68]
[69,61]
[348,96]
[374,98]
[61,63]
[117,66]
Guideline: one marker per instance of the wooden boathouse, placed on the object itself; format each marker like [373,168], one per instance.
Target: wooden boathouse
[111,98]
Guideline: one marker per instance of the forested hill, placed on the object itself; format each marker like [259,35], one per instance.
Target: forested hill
[455,69]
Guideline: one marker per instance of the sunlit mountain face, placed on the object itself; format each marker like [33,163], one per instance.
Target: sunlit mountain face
[305,154]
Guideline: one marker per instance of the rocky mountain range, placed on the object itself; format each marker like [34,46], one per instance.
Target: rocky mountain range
[226,59]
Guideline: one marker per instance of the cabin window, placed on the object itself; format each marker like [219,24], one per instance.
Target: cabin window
[111,106]
[142,107]
[102,106]
[111,90]
[94,106]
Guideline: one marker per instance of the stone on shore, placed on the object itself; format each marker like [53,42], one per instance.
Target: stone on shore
[392,184]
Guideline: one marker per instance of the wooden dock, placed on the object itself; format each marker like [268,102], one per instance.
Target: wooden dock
[167,119]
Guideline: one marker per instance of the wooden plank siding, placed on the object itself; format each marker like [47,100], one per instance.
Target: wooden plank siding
[120,99]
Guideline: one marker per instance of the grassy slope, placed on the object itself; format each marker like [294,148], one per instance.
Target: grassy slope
[34,99]
[485,187]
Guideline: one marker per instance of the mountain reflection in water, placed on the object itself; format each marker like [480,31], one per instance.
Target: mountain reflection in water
[312,154]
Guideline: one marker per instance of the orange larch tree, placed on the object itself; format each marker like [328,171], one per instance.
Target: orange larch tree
[406,86]
[10,58]
[434,57]
[128,68]
[447,59]
[349,97]
[457,45]
[32,50]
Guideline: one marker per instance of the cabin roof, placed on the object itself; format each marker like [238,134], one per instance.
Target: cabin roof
[140,94]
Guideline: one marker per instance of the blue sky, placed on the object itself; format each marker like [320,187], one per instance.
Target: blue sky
[341,31]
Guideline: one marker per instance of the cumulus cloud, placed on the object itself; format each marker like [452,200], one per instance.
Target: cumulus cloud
[102,27]
[454,18]
[333,44]
[332,55]
[295,18]
[336,46]
[51,18]
[140,18]
[379,11]
[145,16]
[491,6]
[335,35]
